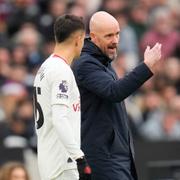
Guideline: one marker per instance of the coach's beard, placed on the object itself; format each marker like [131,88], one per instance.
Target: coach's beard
[112,52]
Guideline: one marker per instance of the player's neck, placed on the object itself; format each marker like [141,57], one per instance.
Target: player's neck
[64,51]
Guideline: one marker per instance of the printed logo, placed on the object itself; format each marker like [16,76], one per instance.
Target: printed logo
[69,160]
[76,107]
[62,96]
[63,86]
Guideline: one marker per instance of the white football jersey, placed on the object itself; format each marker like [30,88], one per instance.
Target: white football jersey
[55,85]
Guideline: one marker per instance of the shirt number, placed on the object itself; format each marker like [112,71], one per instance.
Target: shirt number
[38,113]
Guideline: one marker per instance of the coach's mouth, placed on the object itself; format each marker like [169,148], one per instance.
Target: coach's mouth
[112,49]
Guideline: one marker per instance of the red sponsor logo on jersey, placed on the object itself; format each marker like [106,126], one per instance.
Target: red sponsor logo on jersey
[76,107]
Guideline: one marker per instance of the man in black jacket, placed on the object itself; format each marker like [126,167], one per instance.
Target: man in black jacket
[105,134]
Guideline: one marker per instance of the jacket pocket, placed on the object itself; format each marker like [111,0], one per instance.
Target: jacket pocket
[118,145]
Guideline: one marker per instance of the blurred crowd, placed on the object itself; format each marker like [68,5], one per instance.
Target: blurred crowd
[26,40]
[14,171]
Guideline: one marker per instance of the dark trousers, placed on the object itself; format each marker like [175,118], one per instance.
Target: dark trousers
[111,169]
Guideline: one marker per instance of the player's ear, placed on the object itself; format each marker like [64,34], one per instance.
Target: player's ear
[78,38]
[76,42]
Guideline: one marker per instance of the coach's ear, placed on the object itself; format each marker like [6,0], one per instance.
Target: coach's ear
[93,37]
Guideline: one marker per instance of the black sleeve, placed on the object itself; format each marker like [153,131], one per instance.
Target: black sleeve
[94,78]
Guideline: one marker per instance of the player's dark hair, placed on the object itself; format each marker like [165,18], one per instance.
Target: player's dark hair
[65,25]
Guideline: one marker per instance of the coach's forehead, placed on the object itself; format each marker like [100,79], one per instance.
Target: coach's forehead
[102,21]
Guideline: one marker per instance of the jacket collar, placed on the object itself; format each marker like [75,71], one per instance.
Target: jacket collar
[95,51]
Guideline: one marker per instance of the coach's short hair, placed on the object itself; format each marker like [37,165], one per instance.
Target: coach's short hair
[65,25]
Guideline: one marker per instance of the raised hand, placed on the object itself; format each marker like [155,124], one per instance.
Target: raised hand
[152,56]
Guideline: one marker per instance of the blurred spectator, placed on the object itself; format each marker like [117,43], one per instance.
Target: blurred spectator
[150,4]
[76,9]
[19,130]
[171,120]
[164,125]
[47,48]
[19,55]
[161,31]
[90,6]
[55,9]
[4,65]
[24,110]
[31,39]
[128,42]
[84,8]
[175,13]
[12,93]
[5,11]
[22,11]
[151,104]
[119,64]
[172,72]
[138,19]
[168,93]
[18,74]
[114,6]
[152,111]
[13,171]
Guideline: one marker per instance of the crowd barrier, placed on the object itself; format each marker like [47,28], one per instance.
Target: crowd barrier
[158,160]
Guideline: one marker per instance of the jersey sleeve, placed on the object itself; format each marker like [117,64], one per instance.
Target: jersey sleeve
[60,88]
[64,130]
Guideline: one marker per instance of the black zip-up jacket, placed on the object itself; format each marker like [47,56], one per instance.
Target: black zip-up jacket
[105,136]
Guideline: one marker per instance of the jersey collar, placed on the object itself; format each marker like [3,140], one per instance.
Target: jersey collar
[55,55]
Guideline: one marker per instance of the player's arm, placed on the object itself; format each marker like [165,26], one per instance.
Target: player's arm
[64,130]
[60,97]
[60,83]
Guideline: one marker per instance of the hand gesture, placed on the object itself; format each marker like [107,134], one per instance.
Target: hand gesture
[152,56]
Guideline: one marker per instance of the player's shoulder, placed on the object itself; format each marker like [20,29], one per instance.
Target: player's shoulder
[57,67]
[56,61]
[53,68]
[56,64]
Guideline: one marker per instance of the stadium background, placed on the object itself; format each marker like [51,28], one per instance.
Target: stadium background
[26,39]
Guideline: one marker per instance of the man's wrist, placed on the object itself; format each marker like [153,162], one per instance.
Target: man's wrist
[80,159]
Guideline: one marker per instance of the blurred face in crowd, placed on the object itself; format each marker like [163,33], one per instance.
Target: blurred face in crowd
[57,7]
[114,5]
[139,14]
[4,55]
[163,25]
[18,174]
[172,69]
[19,54]
[13,171]
[161,21]
[104,32]
[78,10]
